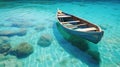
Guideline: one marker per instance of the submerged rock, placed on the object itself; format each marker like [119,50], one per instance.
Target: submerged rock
[9,61]
[21,24]
[19,32]
[40,28]
[22,50]
[3,39]
[45,40]
[4,49]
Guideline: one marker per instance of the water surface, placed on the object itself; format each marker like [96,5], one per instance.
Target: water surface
[60,53]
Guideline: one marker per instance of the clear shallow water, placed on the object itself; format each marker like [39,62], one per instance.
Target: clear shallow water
[61,53]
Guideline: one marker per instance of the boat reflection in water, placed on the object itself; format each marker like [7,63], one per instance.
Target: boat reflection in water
[84,45]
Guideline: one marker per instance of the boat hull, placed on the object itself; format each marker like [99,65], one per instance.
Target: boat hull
[94,37]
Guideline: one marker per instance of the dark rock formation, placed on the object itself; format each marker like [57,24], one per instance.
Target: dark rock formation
[4,49]
[45,40]
[22,50]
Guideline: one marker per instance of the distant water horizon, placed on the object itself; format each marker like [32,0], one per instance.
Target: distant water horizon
[60,0]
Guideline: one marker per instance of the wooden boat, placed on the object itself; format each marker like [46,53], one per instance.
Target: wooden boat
[79,27]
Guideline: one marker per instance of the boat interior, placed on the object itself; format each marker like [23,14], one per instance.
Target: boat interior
[75,23]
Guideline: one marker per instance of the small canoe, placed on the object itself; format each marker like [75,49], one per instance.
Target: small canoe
[79,27]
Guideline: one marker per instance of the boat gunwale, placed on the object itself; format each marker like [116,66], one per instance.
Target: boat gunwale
[96,26]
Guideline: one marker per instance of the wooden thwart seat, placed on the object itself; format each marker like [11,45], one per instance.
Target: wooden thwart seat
[70,22]
[70,26]
[86,29]
[82,24]
[73,21]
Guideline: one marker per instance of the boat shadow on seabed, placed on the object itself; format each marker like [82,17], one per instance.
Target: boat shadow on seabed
[77,47]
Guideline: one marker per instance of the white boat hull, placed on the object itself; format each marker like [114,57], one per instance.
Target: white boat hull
[94,37]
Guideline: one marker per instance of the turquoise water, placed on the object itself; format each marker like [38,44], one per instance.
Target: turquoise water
[39,18]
